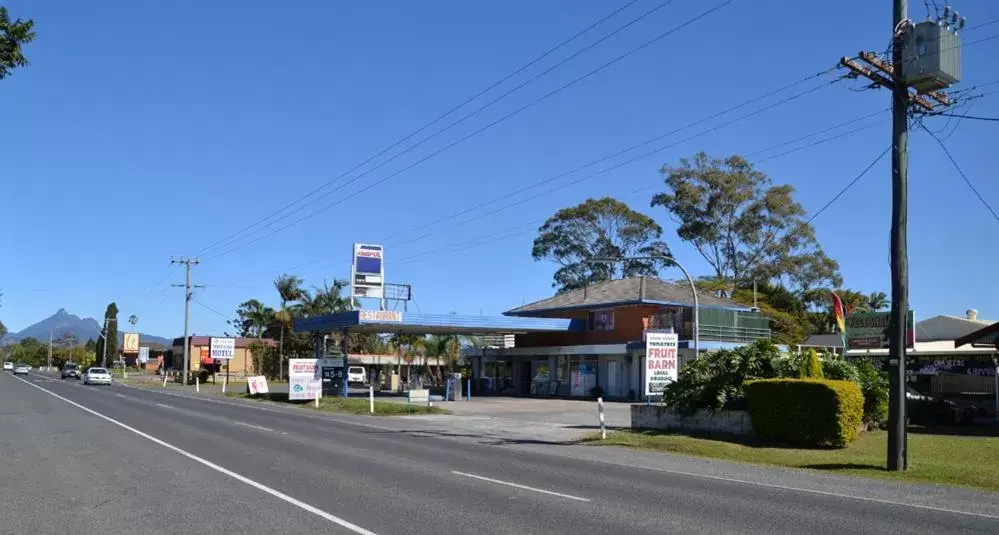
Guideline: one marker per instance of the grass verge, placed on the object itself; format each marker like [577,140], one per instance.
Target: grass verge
[933,457]
[345,405]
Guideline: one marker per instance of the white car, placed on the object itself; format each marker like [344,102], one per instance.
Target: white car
[21,369]
[96,376]
[8,366]
[355,375]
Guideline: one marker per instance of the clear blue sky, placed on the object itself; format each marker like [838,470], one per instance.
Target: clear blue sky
[144,130]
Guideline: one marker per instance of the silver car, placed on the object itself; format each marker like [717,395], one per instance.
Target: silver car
[96,376]
[21,369]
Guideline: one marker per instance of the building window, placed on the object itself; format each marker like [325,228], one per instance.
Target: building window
[602,320]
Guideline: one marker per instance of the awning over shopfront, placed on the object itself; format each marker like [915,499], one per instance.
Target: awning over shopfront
[391,321]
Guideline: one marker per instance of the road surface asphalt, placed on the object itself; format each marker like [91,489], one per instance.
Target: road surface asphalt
[121,459]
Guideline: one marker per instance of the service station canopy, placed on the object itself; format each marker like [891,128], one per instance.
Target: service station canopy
[391,321]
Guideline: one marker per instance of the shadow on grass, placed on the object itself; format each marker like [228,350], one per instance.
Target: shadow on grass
[983,430]
[741,440]
[845,466]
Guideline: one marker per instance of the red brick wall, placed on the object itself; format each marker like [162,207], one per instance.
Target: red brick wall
[628,327]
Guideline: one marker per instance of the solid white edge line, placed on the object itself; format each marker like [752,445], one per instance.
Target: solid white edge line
[164,406]
[653,468]
[519,486]
[222,470]
[251,426]
[121,395]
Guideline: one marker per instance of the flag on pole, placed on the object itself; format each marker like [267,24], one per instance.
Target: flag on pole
[839,312]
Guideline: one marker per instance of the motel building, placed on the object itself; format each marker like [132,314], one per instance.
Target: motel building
[567,345]
[603,346]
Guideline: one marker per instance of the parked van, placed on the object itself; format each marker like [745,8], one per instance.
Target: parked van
[356,376]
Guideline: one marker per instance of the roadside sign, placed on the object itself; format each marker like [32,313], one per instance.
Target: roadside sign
[144,354]
[332,372]
[660,361]
[869,330]
[257,384]
[302,381]
[130,343]
[222,348]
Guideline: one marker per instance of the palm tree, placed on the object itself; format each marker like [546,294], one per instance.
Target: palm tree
[289,288]
[325,300]
[877,301]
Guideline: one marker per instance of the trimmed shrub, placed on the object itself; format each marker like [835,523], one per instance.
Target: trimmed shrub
[874,385]
[811,366]
[807,412]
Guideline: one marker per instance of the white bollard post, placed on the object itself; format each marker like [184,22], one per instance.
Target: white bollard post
[371,398]
[600,411]
[223,385]
[197,384]
[164,380]
[318,393]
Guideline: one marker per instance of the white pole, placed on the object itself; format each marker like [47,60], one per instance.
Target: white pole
[164,379]
[223,386]
[600,411]
[371,398]
[318,393]
[197,384]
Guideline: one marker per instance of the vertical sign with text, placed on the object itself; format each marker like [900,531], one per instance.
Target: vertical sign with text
[660,361]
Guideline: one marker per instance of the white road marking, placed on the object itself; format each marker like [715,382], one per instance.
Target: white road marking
[222,470]
[251,426]
[164,406]
[612,463]
[519,486]
[121,395]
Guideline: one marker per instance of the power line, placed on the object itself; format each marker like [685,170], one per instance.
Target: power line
[488,126]
[943,114]
[464,103]
[620,152]
[634,159]
[593,175]
[766,243]
[964,176]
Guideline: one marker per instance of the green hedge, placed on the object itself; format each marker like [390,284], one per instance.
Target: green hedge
[808,412]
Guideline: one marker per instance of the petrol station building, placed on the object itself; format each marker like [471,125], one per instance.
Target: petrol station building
[572,343]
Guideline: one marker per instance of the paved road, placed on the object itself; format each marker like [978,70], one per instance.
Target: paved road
[165,462]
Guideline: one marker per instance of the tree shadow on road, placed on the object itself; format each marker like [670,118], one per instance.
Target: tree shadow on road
[484,439]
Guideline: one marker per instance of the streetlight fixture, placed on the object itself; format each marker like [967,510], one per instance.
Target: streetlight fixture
[671,260]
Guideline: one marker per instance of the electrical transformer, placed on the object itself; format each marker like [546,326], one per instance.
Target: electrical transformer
[931,59]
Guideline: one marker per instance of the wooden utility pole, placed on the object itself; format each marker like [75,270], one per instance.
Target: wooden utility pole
[897,432]
[188,262]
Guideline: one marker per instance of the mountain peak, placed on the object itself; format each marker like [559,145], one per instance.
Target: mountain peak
[61,312]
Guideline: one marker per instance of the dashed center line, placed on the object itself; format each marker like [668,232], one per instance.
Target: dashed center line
[251,426]
[519,486]
[121,395]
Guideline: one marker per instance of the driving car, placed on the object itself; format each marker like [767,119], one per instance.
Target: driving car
[96,376]
[71,369]
[21,369]
[355,375]
[8,365]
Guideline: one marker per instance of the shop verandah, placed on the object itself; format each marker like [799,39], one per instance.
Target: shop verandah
[406,323]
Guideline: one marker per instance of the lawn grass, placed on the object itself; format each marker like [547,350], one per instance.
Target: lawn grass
[933,457]
[345,405]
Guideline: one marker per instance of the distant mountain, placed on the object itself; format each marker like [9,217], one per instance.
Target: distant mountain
[83,329]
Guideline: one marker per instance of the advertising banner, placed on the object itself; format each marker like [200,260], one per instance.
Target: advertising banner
[368,271]
[257,384]
[144,354]
[302,380]
[130,343]
[222,348]
[333,374]
[660,361]
[869,330]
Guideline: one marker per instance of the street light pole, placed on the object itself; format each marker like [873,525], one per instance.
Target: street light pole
[671,260]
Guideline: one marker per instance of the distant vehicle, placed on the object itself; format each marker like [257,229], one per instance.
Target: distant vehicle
[8,365]
[355,375]
[71,369]
[21,369]
[96,376]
